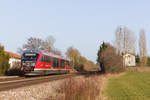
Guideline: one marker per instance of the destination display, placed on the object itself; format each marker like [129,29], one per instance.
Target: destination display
[30,54]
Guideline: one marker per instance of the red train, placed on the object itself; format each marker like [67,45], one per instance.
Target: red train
[35,62]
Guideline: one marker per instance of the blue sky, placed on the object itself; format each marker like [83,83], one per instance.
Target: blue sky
[83,24]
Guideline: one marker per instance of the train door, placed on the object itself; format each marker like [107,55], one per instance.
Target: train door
[67,65]
[46,62]
[55,63]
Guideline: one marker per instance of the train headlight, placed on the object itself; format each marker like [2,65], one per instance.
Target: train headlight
[23,64]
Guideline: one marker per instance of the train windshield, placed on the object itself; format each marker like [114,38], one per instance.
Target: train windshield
[30,56]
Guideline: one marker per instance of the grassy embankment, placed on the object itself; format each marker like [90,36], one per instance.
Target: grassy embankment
[131,86]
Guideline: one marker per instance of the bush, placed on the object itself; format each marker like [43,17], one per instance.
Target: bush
[14,71]
[73,89]
[79,68]
[110,62]
[4,61]
[137,58]
[148,61]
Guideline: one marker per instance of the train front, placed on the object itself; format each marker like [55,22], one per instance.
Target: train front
[28,61]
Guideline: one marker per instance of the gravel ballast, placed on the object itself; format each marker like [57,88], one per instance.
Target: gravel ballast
[35,92]
[49,90]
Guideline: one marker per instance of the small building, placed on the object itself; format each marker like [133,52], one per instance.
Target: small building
[14,59]
[129,59]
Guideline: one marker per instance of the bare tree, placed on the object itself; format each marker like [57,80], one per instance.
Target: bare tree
[56,51]
[124,40]
[46,45]
[129,41]
[118,40]
[32,43]
[142,47]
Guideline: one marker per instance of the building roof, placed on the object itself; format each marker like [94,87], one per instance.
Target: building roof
[128,54]
[13,55]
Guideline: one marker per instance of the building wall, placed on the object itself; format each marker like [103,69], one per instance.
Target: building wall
[13,61]
[129,60]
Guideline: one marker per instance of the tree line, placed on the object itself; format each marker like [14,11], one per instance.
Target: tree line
[78,62]
[125,42]
[110,57]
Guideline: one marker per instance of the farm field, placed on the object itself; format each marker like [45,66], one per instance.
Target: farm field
[131,86]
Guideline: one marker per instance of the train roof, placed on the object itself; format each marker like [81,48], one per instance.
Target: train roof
[33,50]
[54,55]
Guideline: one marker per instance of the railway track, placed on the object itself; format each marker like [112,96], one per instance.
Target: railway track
[11,79]
[17,83]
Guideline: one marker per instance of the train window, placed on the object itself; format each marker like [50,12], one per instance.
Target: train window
[30,56]
[42,58]
[45,58]
[62,63]
[55,62]
[67,63]
[49,58]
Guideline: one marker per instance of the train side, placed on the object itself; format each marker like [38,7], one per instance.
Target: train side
[40,63]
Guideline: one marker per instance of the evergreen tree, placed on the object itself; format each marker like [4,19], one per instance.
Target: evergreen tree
[103,46]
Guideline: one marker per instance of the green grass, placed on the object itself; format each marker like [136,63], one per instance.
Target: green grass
[131,86]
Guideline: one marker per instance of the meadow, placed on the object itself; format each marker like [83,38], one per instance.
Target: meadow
[130,86]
